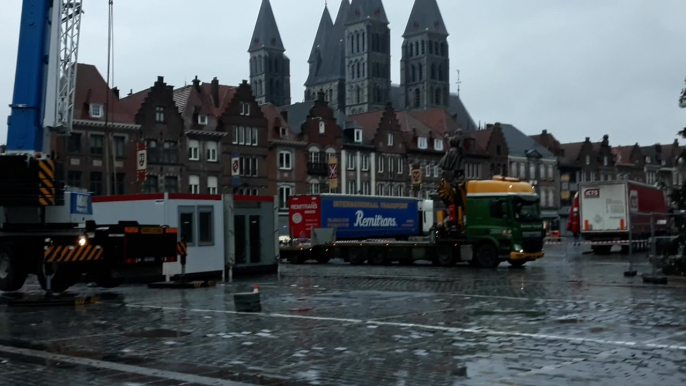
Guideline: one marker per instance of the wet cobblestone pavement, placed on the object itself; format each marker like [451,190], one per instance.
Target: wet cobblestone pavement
[570,319]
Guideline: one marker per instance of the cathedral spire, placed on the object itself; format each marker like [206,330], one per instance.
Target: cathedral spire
[323,33]
[266,34]
[425,17]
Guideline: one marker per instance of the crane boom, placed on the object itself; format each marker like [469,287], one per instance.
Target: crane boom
[45,76]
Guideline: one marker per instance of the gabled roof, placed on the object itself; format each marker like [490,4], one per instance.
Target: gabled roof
[91,88]
[623,154]
[360,10]
[266,32]
[439,120]
[457,110]
[275,122]
[298,113]
[518,143]
[425,17]
[198,97]
[323,33]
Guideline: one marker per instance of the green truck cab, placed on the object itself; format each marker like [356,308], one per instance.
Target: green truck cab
[503,218]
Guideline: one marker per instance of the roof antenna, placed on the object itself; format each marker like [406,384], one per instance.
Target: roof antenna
[459,82]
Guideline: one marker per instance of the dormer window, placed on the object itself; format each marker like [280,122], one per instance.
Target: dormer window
[647,159]
[322,127]
[358,135]
[202,120]
[438,143]
[588,160]
[390,139]
[283,132]
[422,143]
[96,110]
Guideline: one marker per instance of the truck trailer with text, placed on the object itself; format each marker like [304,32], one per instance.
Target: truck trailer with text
[501,223]
[618,211]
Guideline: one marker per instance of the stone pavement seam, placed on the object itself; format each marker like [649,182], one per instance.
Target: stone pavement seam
[170,375]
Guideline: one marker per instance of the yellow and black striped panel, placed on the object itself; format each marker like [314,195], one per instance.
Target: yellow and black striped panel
[182,248]
[72,254]
[46,175]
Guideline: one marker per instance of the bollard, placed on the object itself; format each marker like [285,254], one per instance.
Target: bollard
[248,301]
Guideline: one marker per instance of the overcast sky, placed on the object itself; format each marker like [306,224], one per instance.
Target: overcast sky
[580,68]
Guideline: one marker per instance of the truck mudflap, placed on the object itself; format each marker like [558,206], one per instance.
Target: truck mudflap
[524,256]
[72,253]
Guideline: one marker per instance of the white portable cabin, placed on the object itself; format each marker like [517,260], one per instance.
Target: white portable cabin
[199,219]
[222,232]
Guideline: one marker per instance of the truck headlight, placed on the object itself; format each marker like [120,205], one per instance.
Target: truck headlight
[83,241]
[518,248]
[507,232]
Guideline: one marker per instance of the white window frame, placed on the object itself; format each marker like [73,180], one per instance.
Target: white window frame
[352,187]
[322,127]
[285,160]
[212,185]
[380,161]
[96,110]
[551,172]
[366,188]
[358,135]
[588,159]
[390,139]
[352,161]
[551,198]
[255,137]
[422,143]
[315,188]
[193,150]
[513,171]
[235,135]
[380,189]
[605,161]
[248,136]
[543,177]
[436,171]
[365,162]
[532,171]
[543,196]
[241,135]
[438,144]
[401,165]
[245,108]
[285,192]
[194,184]
[314,156]
[427,172]
[203,120]
[522,170]
[212,150]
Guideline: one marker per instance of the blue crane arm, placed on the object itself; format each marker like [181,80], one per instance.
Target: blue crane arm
[25,124]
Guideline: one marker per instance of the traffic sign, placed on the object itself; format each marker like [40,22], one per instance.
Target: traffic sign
[142,161]
[416,176]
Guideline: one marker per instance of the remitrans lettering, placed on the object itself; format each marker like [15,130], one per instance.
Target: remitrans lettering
[311,206]
[373,222]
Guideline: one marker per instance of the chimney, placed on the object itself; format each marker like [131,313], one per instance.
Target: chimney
[116,92]
[588,139]
[196,84]
[130,92]
[215,91]
[160,79]
[545,132]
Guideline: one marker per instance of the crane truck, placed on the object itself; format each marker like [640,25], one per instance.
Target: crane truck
[46,229]
[499,221]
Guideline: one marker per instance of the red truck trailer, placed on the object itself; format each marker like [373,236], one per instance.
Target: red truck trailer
[620,211]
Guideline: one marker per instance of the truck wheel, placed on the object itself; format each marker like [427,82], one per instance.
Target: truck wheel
[377,257]
[61,280]
[355,256]
[324,258]
[446,256]
[12,274]
[298,258]
[487,256]
[602,249]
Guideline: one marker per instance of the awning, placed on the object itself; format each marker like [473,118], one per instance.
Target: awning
[547,214]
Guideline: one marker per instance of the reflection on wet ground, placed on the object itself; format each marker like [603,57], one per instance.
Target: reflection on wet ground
[569,319]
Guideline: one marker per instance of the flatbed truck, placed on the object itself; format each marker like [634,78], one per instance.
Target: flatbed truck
[500,222]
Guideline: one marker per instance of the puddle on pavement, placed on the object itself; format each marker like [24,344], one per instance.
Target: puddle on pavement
[158,333]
